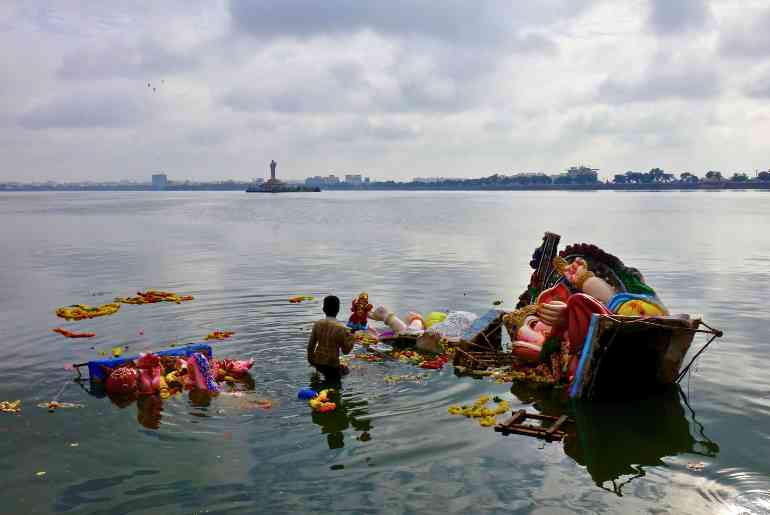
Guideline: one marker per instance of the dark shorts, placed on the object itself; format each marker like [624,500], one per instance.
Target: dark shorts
[332,372]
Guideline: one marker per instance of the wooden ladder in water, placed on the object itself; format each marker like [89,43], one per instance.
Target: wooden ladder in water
[516,425]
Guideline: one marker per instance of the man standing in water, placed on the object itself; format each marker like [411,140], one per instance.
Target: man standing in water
[327,338]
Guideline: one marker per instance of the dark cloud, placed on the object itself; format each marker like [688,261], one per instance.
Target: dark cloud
[675,80]
[456,21]
[145,60]
[303,98]
[361,129]
[748,36]
[675,16]
[415,81]
[84,110]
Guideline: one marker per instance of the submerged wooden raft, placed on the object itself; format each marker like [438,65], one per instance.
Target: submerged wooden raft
[555,430]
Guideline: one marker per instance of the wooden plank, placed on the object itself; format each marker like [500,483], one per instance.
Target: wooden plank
[555,427]
[517,416]
[538,416]
[521,430]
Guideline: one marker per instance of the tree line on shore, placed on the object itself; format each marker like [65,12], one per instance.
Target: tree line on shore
[658,176]
[575,177]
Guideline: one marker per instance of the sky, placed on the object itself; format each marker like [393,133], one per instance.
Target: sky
[215,89]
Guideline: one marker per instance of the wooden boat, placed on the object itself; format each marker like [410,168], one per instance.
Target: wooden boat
[621,357]
[632,356]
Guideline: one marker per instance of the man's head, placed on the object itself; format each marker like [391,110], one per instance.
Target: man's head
[331,305]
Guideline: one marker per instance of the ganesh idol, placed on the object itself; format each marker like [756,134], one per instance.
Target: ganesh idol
[553,328]
[359,310]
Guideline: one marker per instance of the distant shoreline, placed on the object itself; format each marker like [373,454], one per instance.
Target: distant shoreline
[700,186]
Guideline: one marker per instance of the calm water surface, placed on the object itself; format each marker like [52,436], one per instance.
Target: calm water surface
[390,447]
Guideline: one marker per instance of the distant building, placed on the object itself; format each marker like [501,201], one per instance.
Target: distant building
[319,181]
[430,180]
[354,179]
[159,181]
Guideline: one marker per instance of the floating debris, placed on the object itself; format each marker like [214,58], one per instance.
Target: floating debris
[219,335]
[40,473]
[10,407]
[70,334]
[301,298]
[251,405]
[365,338]
[416,378]
[696,466]
[421,360]
[52,406]
[322,404]
[84,311]
[153,297]
[480,410]
[371,358]
[487,421]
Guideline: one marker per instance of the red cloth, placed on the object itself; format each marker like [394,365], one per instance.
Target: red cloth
[580,307]
[149,369]
[557,292]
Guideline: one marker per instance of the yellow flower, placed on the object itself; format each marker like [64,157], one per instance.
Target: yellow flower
[455,410]
[487,421]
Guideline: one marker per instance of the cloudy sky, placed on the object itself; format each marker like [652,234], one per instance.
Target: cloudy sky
[214,89]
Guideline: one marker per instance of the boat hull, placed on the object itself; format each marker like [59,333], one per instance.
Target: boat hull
[629,356]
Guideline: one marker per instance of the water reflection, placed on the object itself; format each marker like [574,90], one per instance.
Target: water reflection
[615,442]
[149,408]
[334,423]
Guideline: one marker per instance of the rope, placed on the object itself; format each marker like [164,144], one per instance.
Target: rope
[687,368]
[644,321]
[61,390]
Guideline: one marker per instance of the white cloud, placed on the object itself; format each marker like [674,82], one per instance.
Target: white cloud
[395,89]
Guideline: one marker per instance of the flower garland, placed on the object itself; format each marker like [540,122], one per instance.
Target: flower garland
[480,410]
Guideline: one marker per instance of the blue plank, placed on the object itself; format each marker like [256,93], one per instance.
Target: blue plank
[95,367]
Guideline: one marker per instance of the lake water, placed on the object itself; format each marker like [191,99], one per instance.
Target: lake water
[391,447]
